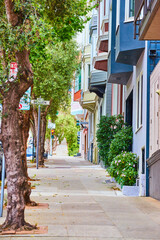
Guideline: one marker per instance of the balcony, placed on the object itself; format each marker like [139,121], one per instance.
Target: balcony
[104,26]
[147,27]
[88,101]
[102,43]
[118,73]
[97,83]
[128,49]
[100,61]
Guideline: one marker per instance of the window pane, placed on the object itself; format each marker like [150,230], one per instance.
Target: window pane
[131,8]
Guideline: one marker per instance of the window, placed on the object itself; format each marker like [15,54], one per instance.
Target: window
[129,10]
[139,100]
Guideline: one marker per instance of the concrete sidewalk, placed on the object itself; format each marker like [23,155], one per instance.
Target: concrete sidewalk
[82,206]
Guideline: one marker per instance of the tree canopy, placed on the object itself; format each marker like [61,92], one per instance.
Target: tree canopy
[30,30]
[66,128]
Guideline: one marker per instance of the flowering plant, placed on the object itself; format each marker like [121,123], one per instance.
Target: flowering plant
[121,142]
[124,168]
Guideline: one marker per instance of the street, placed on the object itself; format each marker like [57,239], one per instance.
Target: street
[77,203]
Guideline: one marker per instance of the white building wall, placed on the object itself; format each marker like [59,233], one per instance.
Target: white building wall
[139,135]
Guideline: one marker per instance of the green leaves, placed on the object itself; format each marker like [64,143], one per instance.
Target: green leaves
[121,142]
[107,128]
[66,128]
[53,67]
[66,16]
[124,168]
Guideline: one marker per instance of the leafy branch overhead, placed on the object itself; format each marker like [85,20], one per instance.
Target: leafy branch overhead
[37,24]
[31,34]
[53,71]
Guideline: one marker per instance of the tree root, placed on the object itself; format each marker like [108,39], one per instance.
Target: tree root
[32,204]
[8,226]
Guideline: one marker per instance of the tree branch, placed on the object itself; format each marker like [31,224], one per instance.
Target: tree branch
[11,15]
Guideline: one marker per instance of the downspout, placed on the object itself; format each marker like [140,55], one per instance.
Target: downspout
[147,123]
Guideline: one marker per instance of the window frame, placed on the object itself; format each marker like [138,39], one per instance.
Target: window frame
[127,12]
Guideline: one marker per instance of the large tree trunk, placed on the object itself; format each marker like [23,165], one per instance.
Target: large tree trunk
[13,151]
[11,130]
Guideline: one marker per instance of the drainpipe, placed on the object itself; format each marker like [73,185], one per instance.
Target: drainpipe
[148,116]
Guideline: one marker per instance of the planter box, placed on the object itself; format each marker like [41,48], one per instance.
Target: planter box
[132,191]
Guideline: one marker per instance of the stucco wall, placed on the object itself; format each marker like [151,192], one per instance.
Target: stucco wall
[139,135]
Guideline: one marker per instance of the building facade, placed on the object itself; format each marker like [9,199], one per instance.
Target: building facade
[123,78]
[146,27]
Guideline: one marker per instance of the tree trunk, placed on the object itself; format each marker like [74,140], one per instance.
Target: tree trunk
[25,117]
[35,123]
[11,130]
[13,151]
[25,123]
[42,134]
[42,139]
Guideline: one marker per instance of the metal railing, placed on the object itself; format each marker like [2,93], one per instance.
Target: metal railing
[137,8]
[139,5]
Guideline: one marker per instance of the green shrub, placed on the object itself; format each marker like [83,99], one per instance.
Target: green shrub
[121,142]
[73,149]
[107,128]
[124,168]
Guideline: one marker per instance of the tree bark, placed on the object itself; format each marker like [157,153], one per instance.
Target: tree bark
[25,124]
[13,151]
[42,134]
[42,139]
